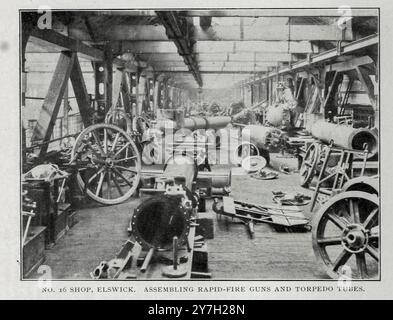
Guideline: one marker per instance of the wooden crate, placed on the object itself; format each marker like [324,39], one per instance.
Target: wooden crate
[33,250]
[61,220]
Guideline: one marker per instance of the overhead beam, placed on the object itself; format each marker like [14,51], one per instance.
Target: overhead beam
[301,12]
[217,57]
[253,46]
[214,71]
[53,41]
[350,64]
[220,47]
[224,33]
[325,56]
[177,29]
[217,65]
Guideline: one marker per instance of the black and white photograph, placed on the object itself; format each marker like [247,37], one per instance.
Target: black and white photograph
[199,147]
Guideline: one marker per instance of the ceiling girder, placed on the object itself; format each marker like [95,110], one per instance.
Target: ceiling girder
[178,30]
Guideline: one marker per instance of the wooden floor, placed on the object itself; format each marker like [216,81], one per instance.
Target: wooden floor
[271,254]
[101,231]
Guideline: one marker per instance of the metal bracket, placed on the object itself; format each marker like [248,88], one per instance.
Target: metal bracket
[339,48]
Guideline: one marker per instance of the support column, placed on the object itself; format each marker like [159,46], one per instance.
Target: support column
[81,95]
[156,96]
[109,78]
[50,108]
[103,73]
[364,73]
[141,93]
[134,93]
[65,111]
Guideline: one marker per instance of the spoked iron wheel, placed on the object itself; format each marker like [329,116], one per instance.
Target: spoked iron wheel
[345,235]
[109,164]
[119,118]
[309,165]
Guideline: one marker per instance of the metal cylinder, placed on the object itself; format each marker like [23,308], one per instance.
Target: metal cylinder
[181,168]
[195,123]
[276,115]
[219,179]
[263,137]
[346,136]
[157,220]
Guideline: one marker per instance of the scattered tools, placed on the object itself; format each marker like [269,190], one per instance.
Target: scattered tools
[284,169]
[265,175]
[249,214]
[290,199]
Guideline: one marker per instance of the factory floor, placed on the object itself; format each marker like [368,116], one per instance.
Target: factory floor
[101,232]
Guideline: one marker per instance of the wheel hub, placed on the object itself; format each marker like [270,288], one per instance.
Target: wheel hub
[355,238]
[109,162]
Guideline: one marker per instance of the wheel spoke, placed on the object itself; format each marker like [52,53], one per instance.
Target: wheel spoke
[307,163]
[117,185]
[115,141]
[341,259]
[373,236]
[95,175]
[100,184]
[130,169]
[98,142]
[337,220]
[105,141]
[354,210]
[121,176]
[124,159]
[361,264]
[109,184]
[89,146]
[372,252]
[330,241]
[120,150]
[370,218]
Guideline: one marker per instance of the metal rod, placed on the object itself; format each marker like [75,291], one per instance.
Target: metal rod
[175,264]
[315,194]
[147,260]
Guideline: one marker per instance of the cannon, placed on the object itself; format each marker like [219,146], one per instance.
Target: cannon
[156,221]
[346,136]
[263,137]
[163,240]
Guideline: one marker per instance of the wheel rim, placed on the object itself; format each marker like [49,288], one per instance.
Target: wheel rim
[140,124]
[311,158]
[109,163]
[346,235]
[115,116]
[245,150]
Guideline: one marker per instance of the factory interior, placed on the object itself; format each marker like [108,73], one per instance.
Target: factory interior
[200,144]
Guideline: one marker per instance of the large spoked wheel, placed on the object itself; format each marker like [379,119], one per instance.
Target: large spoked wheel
[309,165]
[345,235]
[109,164]
[119,118]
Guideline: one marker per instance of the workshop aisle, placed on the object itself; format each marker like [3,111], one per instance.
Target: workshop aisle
[271,254]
